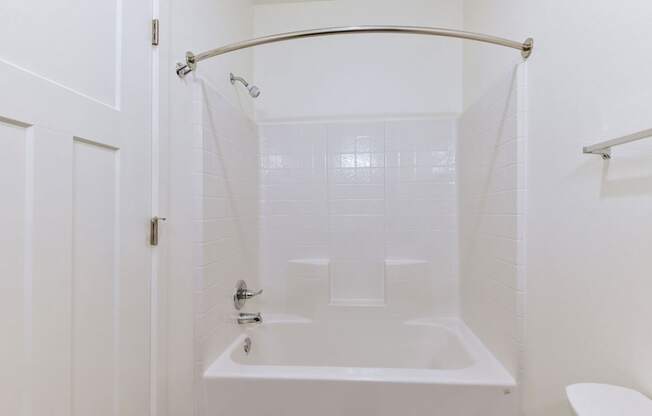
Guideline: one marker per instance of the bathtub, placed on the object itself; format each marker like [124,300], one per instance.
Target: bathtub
[299,367]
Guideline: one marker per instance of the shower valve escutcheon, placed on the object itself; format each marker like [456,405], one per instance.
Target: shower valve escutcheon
[242,294]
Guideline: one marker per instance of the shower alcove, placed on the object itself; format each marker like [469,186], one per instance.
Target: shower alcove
[383,220]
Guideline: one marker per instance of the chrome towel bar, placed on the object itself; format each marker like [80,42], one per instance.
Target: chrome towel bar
[192,60]
[604,148]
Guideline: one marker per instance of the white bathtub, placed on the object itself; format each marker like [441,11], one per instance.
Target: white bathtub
[364,368]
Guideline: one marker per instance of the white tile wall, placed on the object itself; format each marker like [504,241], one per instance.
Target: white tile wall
[421,220]
[356,218]
[491,171]
[356,194]
[294,201]
[226,191]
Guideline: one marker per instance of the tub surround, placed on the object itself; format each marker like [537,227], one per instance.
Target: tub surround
[225,220]
[492,168]
[365,196]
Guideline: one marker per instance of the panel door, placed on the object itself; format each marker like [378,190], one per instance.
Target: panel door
[75,190]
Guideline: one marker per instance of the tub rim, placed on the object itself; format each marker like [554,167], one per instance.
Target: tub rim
[485,370]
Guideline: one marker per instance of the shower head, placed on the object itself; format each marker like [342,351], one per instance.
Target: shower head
[254,91]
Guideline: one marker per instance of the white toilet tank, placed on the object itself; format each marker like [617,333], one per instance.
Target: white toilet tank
[590,399]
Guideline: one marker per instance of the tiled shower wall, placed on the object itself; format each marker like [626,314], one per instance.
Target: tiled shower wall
[354,195]
[492,186]
[225,148]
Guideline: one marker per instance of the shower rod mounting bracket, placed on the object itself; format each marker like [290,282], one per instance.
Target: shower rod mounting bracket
[192,60]
[190,65]
[605,153]
[527,48]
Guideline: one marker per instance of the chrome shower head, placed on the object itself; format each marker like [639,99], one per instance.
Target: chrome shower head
[254,91]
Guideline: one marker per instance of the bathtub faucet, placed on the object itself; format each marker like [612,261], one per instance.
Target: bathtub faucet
[250,318]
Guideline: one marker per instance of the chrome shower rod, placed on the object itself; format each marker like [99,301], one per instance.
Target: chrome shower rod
[192,60]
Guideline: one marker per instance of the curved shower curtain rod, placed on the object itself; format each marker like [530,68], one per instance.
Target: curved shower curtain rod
[192,60]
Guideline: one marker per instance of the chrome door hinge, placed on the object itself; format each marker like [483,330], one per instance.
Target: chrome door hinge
[153,230]
[155,32]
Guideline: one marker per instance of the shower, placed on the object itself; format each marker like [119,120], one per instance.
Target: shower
[352,230]
[254,91]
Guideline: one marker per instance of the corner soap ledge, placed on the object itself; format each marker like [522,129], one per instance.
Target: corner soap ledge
[311,261]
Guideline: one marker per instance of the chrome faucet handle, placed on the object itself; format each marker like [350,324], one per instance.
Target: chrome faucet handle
[242,294]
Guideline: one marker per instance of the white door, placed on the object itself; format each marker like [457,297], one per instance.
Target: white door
[75,81]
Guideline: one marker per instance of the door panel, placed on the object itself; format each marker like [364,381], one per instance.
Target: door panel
[95,278]
[14,277]
[54,35]
[75,192]
[51,296]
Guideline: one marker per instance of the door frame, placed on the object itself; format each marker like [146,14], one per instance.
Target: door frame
[160,207]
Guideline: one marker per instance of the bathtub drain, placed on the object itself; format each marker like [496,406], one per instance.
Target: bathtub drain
[247,345]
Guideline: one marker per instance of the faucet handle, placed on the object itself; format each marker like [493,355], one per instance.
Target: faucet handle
[242,294]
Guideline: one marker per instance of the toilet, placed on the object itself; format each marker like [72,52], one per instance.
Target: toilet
[590,399]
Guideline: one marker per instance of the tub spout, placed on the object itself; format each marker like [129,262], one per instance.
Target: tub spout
[250,318]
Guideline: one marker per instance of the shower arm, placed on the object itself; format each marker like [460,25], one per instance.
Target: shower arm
[235,78]
[192,60]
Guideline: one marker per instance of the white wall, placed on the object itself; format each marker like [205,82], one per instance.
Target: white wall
[589,224]
[201,25]
[491,187]
[358,75]
[360,202]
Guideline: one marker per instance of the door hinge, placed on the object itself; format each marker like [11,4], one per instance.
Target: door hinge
[153,230]
[155,32]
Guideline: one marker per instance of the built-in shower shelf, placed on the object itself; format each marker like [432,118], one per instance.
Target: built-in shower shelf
[404,262]
[310,262]
[309,268]
[364,303]
[403,286]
